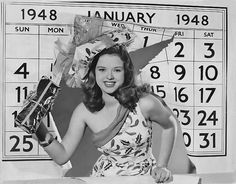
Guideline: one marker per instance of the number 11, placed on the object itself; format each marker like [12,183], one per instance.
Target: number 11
[18,89]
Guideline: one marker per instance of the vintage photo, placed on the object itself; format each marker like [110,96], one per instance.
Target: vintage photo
[114,92]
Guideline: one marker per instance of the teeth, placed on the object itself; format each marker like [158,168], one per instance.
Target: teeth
[109,84]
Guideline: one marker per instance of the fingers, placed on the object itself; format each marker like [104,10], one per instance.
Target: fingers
[162,175]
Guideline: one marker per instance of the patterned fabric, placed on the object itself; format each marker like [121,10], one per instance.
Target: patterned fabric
[129,152]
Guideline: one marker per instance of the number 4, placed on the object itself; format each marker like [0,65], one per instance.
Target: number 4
[22,70]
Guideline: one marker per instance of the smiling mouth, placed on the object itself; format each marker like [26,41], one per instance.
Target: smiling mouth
[109,84]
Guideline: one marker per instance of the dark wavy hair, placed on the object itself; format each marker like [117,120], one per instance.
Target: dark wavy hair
[127,94]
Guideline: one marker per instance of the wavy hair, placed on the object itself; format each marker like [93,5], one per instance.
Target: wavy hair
[127,94]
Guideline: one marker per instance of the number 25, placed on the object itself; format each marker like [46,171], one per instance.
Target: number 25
[15,147]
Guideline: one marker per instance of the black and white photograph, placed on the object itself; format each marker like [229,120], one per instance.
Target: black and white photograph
[114,92]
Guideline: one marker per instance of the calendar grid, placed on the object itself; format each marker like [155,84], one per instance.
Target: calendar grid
[195,106]
[190,74]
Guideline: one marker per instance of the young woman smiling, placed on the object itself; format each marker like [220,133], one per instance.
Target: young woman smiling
[120,115]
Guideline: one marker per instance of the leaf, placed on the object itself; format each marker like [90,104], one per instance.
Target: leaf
[105,153]
[126,143]
[136,167]
[131,133]
[124,156]
[95,168]
[146,170]
[117,147]
[107,166]
[112,142]
[135,124]
[141,144]
[117,152]
[114,158]
[137,152]
[101,166]
[131,165]
[120,171]
[116,40]
[88,51]
[144,123]
[138,138]
[127,151]
[143,154]
[127,35]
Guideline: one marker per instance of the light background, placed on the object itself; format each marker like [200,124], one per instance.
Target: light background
[82,160]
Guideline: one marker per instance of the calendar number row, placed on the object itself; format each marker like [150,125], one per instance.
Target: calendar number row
[179,72]
[199,117]
[11,114]
[17,142]
[22,144]
[199,142]
[26,71]
[189,95]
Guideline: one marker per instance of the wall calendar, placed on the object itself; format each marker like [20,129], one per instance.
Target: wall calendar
[189,74]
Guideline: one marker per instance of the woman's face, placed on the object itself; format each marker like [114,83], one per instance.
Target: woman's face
[109,73]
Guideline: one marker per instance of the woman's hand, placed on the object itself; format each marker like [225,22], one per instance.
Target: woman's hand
[162,174]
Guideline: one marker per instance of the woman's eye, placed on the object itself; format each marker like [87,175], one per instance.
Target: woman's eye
[101,69]
[118,70]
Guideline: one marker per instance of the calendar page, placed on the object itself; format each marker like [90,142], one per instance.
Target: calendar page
[190,73]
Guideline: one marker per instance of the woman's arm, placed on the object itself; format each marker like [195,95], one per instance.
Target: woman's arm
[61,152]
[167,142]
[155,111]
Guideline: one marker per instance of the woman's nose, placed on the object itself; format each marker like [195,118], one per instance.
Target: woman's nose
[110,75]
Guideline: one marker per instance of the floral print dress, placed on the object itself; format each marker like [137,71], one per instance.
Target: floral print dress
[129,151]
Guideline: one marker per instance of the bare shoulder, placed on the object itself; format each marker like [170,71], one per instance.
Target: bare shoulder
[153,109]
[80,113]
[81,108]
[149,103]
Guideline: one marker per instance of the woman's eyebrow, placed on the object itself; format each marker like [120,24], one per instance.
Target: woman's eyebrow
[100,66]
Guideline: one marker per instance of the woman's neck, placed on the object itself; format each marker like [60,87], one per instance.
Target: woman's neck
[109,100]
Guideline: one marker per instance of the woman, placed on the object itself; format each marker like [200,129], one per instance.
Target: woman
[120,114]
